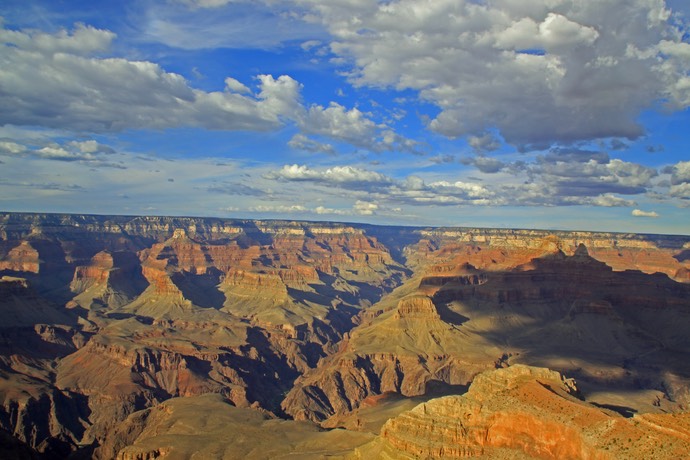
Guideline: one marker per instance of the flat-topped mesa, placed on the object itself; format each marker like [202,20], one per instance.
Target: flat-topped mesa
[249,286]
[296,276]
[488,384]
[250,279]
[22,258]
[449,275]
[417,307]
[96,273]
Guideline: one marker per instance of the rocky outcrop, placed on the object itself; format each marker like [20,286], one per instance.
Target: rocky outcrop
[417,307]
[96,273]
[527,412]
[23,258]
[402,351]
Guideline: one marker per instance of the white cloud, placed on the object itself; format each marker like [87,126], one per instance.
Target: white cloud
[610,200]
[485,142]
[236,86]
[52,81]
[547,181]
[640,213]
[537,72]
[353,127]
[83,40]
[9,147]
[339,123]
[301,142]
[295,208]
[680,172]
[365,208]
[472,190]
[359,208]
[680,190]
[351,176]
[321,210]
[557,31]
[484,164]
[61,81]
[88,152]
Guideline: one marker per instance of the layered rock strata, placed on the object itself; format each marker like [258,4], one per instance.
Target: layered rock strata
[109,315]
[527,412]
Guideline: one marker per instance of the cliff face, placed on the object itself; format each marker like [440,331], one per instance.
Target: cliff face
[527,412]
[107,316]
[571,313]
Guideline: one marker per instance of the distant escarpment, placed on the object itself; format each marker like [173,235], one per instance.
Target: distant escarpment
[105,318]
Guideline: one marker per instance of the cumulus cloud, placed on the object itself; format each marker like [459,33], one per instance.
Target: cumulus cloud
[680,191]
[237,86]
[61,81]
[301,142]
[537,72]
[574,178]
[360,208]
[88,152]
[367,184]
[11,148]
[353,127]
[338,175]
[547,181]
[484,164]
[640,213]
[610,200]
[365,208]
[57,81]
[485,142]
[680,173]
[340,123]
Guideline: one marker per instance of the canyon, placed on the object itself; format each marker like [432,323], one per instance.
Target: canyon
[137,337]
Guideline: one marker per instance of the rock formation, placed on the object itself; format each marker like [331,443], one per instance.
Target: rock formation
[106,318]
[527,412]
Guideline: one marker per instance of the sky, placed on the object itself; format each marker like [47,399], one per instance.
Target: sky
[550,114]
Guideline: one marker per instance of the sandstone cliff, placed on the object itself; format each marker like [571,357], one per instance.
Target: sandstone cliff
[571,313]
[526,412]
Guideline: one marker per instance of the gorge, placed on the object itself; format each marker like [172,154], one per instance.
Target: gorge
[165,337]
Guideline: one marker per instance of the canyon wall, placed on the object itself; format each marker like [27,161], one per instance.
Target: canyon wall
[107,316]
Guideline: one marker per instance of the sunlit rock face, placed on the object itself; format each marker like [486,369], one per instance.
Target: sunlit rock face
[105,318]
[528,412]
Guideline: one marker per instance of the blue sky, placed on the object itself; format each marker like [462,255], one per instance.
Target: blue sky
[562,114]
